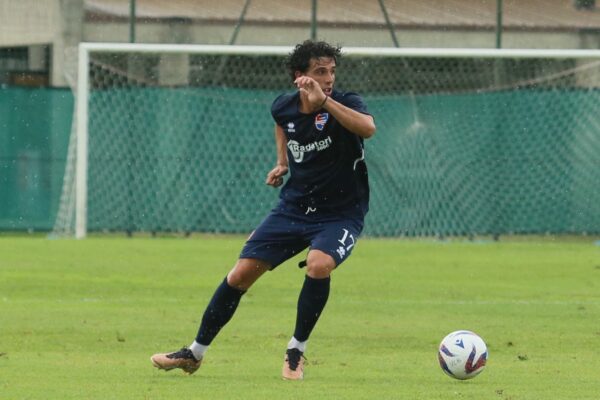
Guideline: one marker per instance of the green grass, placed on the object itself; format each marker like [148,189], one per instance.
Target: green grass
[80,319]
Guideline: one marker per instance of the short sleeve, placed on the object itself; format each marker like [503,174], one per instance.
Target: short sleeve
[283,107]
[355,102]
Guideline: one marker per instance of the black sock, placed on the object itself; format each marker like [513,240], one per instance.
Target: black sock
[311,302]
[219,311]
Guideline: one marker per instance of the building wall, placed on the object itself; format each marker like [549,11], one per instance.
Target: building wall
[368,37]
[61,24]
[56,23]
[27,22]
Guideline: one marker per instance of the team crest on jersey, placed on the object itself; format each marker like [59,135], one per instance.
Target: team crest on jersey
[321,120]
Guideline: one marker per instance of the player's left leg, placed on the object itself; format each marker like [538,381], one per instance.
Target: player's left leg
[329,248]
[312,300]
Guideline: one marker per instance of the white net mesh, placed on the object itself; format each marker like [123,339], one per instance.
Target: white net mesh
[465,146]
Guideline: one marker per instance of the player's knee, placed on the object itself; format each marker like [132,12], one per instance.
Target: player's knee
[245,273]
[237,280]
[319,265]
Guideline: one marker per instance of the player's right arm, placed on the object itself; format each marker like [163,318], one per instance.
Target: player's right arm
[275,176]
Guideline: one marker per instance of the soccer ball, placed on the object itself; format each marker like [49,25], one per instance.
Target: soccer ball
[462,355]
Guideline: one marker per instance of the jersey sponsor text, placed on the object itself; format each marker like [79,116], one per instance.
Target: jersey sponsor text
[298,150]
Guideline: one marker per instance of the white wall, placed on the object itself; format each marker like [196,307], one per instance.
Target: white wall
[369,37]
[57,23]
[60,24]
[25,22]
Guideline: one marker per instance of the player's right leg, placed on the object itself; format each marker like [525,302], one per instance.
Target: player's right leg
[183,359]
[219,311]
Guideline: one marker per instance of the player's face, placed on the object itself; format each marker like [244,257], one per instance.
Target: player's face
[322,70]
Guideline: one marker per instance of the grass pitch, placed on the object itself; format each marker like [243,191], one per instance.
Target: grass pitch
[80,319]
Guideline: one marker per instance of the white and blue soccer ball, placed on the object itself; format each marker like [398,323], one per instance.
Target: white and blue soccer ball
[462,355]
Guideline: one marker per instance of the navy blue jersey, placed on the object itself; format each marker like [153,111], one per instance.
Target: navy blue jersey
[326,161]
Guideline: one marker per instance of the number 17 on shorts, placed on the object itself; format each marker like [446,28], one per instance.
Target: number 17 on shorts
[338,241]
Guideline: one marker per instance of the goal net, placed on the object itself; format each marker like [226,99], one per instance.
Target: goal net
[469,142]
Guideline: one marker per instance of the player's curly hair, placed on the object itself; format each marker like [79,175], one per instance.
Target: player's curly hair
[299,58]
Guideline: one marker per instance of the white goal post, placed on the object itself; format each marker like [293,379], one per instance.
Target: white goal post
[88,50]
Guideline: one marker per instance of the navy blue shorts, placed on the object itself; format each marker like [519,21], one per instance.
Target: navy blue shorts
[285,232]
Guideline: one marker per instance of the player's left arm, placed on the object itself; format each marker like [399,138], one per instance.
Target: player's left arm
[356,122]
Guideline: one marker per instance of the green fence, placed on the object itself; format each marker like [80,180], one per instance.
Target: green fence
[194,159]
[34,132]
[492,163]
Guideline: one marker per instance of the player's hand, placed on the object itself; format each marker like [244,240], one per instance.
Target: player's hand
[275,176]
[311,89]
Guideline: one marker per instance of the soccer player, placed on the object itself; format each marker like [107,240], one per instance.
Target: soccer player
[319,136]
